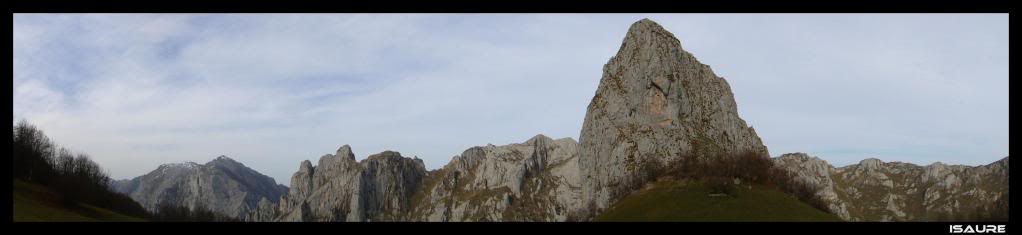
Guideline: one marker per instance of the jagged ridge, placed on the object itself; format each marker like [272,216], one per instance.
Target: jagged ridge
[873,190]
[532,181]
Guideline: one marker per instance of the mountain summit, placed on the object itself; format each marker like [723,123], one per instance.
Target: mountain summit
[223,185]
[655,104]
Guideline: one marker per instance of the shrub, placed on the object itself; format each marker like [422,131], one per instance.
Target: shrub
[717,172]
[720,185]
[788,183]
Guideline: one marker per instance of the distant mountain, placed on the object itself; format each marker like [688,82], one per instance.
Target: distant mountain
[222,185]
[873,190]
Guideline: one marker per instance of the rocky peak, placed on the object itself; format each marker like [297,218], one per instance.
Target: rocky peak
[385,155]
[345,152]
[302,185]
[871,164]
[935,171]
[183,165]
[817,165]
[655,104]
[1003,163]
[937,165]
[224,160]
[796,156]
[539,138]
[646,34]
[343,156]
[306,166]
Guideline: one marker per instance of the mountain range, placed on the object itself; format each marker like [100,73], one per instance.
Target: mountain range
[656,107]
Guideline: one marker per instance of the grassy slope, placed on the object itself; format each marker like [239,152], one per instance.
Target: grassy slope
[33,202]
[675,201]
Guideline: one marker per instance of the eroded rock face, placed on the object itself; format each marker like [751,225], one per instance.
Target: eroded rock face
[223,185]
[873,190]
[340,188]
[655,104]
[533,181]
[816,172]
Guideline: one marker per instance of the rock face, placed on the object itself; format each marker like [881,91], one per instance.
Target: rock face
[533,181]
[340,188]
[655,104]
[873,190]
[222,185]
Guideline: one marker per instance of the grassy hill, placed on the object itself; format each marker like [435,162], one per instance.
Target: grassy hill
[671,200]
[33,202]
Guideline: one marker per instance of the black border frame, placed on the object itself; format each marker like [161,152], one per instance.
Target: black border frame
[523,6]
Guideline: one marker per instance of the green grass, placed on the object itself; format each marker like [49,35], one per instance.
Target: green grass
[670,200]
[33,203]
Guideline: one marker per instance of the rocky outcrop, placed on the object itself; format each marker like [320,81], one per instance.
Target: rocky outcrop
[223,185]
[655,104]
[533,181]
[873,190]
[340,188]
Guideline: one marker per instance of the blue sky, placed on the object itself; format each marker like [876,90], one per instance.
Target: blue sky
[139,90]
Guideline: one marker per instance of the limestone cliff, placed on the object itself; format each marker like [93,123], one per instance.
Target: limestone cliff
[340,188]
[532,181]
[655,104]
[873,190]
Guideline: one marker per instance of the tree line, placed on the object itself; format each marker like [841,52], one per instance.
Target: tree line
[720,171]
[178,213]
[709,165]
[77,179]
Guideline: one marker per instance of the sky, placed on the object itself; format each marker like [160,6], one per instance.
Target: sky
[138,90]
